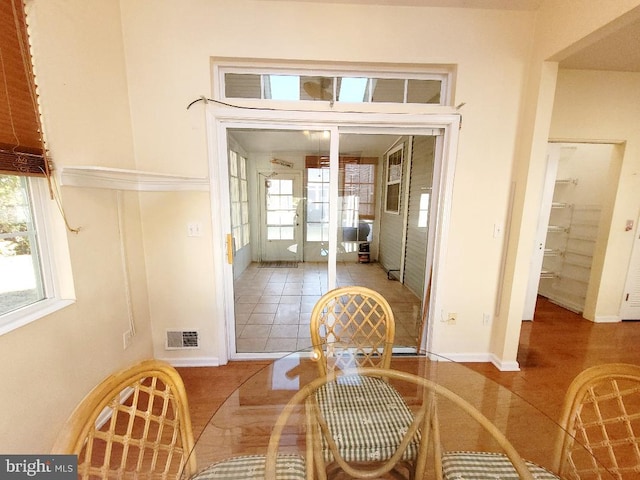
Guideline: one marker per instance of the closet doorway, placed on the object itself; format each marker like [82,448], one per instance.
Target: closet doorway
[575,219]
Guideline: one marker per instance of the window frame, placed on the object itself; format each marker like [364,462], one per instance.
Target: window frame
[53,255]
[388,181]
[443,73]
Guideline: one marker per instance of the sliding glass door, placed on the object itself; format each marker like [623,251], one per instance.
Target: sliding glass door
[313,209]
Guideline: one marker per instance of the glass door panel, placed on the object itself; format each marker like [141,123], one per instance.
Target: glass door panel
[381,248]
[308,214]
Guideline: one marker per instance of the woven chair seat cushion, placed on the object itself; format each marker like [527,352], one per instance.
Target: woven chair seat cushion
[247,467]
[367,418]
[486,466]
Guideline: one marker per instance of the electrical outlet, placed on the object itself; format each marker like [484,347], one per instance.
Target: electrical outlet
[486,319]
[451,318]
[126,339]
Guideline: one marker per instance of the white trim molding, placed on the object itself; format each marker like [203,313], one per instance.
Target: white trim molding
[192,361]
[119,179]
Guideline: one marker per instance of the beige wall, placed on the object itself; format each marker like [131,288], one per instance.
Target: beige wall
[114,81]
[559,31]
[605,106]
[50,364]
[167,51]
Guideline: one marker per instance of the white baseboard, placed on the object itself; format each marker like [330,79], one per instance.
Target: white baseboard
[512,366]
[192,361]
[463,357]
[608,319]
[106,413]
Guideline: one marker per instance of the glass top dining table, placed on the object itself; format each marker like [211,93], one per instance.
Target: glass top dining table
[244,423]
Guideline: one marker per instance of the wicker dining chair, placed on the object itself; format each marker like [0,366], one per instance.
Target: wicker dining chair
[601,415]
[352,327]
[424,419]
[134,424]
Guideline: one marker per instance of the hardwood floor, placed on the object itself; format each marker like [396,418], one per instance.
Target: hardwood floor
[554,348]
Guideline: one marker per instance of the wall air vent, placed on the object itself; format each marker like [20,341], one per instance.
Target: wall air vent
[182,339]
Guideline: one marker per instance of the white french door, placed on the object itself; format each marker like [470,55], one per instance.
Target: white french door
[281,218]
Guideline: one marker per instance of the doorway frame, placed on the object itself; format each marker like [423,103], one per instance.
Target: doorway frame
[220,117]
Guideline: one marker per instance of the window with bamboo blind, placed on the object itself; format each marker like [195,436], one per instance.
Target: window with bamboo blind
[21,144]
[27,288]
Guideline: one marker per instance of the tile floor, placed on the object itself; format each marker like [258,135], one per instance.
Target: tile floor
[273,305]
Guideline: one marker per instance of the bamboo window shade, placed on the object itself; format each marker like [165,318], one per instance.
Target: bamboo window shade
[22,150]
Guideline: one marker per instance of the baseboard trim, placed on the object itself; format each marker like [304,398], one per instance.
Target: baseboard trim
[510,366]
[462,357]
[192,361]
[608,319]
[107,412]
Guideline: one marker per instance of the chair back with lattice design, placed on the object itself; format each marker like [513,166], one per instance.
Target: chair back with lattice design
[352,327]
[601,416]
[135,424]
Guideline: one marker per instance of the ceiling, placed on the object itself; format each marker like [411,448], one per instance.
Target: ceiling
[618,51]
[275,141]
[489,4]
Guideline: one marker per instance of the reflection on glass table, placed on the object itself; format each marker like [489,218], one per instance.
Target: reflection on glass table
[435,391]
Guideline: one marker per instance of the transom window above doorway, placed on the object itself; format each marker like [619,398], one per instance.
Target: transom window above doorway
[397,87]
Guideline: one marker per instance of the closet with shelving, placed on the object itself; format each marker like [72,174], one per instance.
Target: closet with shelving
[574,222]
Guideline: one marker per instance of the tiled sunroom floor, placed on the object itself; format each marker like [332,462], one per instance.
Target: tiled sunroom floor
[273,305]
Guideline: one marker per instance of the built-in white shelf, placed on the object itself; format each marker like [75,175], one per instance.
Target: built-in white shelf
[121,179]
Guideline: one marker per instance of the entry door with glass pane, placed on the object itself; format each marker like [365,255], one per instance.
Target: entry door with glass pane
[281,225]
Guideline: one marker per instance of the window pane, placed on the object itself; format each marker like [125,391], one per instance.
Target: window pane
[314,174]
[316,88]
[314,212]
[273,218]
[273,202]
[423,91]
[423,215]
[286,233]
[286,187]
[393,198]
[353,89]
[314,232]
[20,278]
[235,194]
[282,87]
[241,85]
[273,187]
[388,90]
[243,191]
[273,233]
[287,217]
[243,168]
[233,163]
